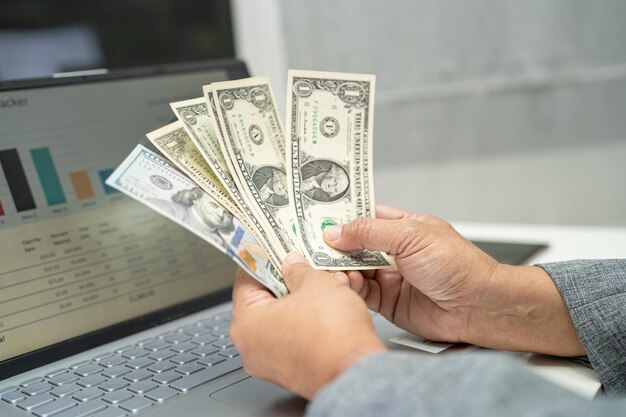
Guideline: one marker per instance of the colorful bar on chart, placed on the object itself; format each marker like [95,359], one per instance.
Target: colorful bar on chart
[82,185]
[1,209]
[104,174]
[16,178]
[48,176]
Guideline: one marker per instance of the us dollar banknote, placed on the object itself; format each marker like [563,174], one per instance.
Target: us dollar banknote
[150,179]
[329,167]
[197,119]
[176,145]
[254,146]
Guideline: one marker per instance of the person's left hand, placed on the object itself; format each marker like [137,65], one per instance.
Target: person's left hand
[303,341]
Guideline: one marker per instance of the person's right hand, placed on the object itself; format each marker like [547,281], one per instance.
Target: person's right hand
[447,289]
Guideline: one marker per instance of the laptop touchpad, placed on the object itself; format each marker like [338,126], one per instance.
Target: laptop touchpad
[261,398]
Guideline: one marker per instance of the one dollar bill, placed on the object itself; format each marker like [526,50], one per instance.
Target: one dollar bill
[329,164]
[254,147]
[197,118]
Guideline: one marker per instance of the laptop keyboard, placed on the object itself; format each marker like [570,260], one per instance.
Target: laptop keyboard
[133,378]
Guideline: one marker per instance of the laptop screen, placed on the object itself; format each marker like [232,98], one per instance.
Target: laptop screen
[75,255]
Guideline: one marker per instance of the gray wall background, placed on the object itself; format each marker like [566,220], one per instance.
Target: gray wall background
[486,110]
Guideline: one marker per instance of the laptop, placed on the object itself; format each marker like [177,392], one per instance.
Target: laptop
[106,308]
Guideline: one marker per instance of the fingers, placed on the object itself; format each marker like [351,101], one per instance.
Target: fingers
[391,236]
[341,277]
[393,213]
[356,280]
[296,270]
[247,291]
[390,213]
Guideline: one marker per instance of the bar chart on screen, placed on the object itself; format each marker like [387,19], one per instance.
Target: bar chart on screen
[72,248]
[33,184]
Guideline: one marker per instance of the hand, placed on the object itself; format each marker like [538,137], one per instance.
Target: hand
[306,339]
[446,289]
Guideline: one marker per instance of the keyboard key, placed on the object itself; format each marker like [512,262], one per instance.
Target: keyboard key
[223,324]
[116,397]
[211,360]
[224,343]
[111,412]
[36,401]
[139,363]
[88,394]
[189,368]
[229,353]
[125,348]
[55,407]
[78,364]
[65,390]
[161,367]
[166,377]
[143,387]
[135,353]
[84,409]
[161,394]
[8,389]
[221,333]
[204,350]
[183,347]
[56,372]
[162,355]
[156,345]
[116,371]
[192,381]
[88,369]
[101,356]
[145,341]
[178,338]
[135,405]
[138,375]
[31,381]
[197,331]
[13,397]
[183,358]
[111,361]
[166,334]
[114,384]
[37,388]
[91,381]
[61,379]
[204,340]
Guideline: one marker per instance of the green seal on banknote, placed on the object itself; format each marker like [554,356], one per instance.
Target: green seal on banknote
[326,223]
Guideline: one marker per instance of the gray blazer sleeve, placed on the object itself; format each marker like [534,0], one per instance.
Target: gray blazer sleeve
[490,384]
[595,294]
[480,384]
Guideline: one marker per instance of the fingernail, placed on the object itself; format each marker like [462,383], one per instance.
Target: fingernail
[332,233]
[295,258]
[341,277]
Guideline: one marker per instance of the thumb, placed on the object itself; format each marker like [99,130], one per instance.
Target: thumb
[391,236]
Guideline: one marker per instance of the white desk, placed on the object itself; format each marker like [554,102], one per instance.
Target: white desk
[565,243]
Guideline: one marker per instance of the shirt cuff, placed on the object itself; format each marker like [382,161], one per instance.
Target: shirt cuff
[595,294]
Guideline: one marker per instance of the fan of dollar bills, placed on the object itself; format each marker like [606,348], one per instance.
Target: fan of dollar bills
[227,172]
